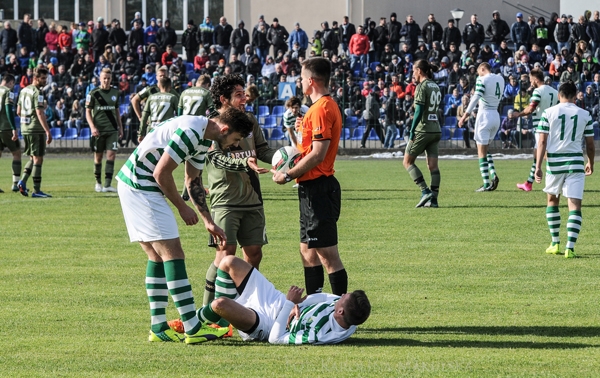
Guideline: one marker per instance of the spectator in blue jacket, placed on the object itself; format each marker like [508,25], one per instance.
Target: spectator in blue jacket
[149,75]
[151,32]
[298,35]
[511,90]
[453,104]
[520,32]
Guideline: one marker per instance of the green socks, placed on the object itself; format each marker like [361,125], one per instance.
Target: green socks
[158,295]
[181,292]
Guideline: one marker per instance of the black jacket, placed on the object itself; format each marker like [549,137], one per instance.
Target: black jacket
[99,39]
[223,35]
[432,31]
[135,39]
[451,35]
[347,32]
[8,38]
[166,36]
[278,37]
[239,39]
[473,34]
[26,35]
[394,31]
[260,39]
[411,33]
[40,37]
[189,39]
[117,36]
[497,30]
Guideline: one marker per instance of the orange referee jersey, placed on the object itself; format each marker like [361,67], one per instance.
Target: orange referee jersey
[323,121]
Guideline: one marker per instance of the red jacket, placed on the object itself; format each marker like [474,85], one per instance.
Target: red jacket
[359,44]
[52,40]
[65,39]
[167,59]
[25,81]
[200,62]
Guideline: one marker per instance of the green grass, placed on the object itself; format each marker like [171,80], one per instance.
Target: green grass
[463,290]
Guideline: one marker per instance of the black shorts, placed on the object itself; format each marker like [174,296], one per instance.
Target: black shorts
[320,204]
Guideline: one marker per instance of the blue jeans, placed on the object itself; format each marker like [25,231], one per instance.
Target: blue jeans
[262,53]
[360,58]
[390,135]
[561,45]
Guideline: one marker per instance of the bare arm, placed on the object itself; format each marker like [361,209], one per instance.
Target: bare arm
[591,152]
[163,174]
[541,153]
[90,119]
[135,103]
[42,117]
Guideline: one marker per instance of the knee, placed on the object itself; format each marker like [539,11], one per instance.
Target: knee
[219,305]
[227,262]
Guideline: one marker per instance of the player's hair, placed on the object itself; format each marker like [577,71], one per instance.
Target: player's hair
[426,68]
[319,68]
[568,90]
[538,74]
[486,66]
[39,72]
[165,83]
[163,69]
[292,101]
[252,93]
[204,79]
[8,78]
[237,120]
[224,86]
[357,308]
[106,70]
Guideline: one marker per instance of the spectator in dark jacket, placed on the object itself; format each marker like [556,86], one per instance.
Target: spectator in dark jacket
[432,31]
[381,39]
[411,32]
[136,37]
[497,30]
[40,35]
[25,33]
[260,41]
[348,30]
[166,36]
[239,39]
[578,31]
[451,35]
[189,41]
[520,33]
[8,39]
[329,38]
[117,36]
[473,32]
[223,37]
[540,32]
[99,38]
[593,32]
[277,36]
[394,28]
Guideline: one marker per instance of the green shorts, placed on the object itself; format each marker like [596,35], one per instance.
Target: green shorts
[424,142]
[241,227]
[6,141]
[105,142]
[35,144]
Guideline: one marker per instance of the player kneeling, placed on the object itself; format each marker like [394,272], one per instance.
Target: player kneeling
[246,299]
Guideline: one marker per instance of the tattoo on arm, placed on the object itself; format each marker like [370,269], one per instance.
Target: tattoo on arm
[198,195]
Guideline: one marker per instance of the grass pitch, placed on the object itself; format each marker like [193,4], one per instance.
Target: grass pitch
[463,290]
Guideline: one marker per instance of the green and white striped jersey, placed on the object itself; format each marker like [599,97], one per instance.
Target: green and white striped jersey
[289,119]
[488,91]
[545,96]
[315,325]
[182,138]
[566,124]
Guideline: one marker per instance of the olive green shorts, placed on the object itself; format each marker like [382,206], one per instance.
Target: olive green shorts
[35,144]
[424,142]
[6,141]
[106,142]
[241,227]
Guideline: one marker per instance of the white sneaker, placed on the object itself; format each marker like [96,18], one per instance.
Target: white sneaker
[109,189]
[98,188]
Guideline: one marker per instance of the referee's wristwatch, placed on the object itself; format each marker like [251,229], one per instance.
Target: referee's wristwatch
[288,178]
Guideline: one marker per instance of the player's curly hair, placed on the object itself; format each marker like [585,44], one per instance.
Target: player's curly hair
[224,86]
[357,309]
[237,120]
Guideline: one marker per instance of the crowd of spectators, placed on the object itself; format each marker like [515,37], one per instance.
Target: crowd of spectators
[371,62]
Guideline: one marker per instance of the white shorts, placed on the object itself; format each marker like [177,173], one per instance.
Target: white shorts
[261,296]
[571,184]
[487,124]
[148,216]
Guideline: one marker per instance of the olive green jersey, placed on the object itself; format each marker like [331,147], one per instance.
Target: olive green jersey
[31,99]
[159,107]
[195,101]
[150,90]
[104,105]
[428,95]
[6,100]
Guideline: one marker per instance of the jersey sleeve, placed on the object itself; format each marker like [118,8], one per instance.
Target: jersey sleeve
[536,98]
[10,99]
[279,333]
[320,124]
[480,86]
[589,129]
[187,144]
[544,125]
[38,101]
[89,101]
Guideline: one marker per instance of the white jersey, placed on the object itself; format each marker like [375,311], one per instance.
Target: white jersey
[566,124]
[315,325]
[180,137]
[488,92]
[543,97]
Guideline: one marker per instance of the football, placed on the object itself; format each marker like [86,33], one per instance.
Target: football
[286,158]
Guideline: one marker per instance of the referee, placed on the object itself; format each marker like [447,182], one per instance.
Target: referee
[318,135]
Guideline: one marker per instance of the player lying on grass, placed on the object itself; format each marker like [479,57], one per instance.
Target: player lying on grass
[246,299]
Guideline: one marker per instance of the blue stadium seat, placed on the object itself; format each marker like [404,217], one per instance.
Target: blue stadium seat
[263,111]
[277,134]
[345,133]
[351,122]
[249,108]
[71,133]
[278,111]
[266,132]
[596,133]
[373,135]
[189,66]
[358,133]
[450,121]
[445,133]
[458,133]
[373,65]
[56,132]
[85,134]
[446,98]
[270,121]
[357,73]
[122,109]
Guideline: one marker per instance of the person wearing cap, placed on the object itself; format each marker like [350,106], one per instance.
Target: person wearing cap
[432,31]
[497,30]
[371,116]
[277,36]
[394,28]
[562,33]
[137,17]
[99,39]
[239,39]
[520,32]
[82,37]
[223,33]
[117,36]
[166,36]
[298,35]
[189,40]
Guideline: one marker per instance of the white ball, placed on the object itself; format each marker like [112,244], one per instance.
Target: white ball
[286,158]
